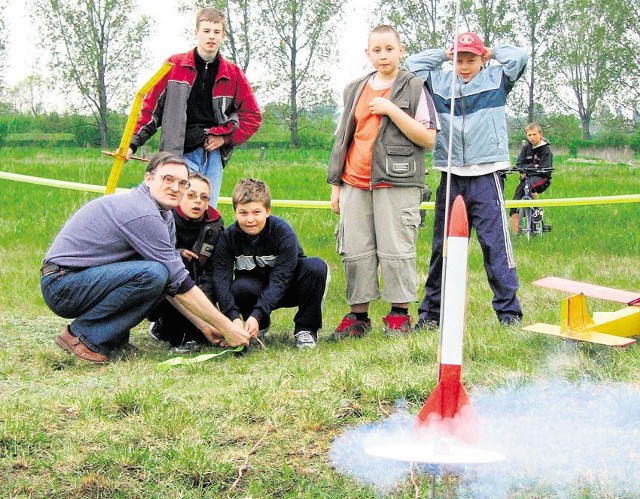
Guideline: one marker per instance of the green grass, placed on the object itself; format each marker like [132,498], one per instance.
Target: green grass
[129,430]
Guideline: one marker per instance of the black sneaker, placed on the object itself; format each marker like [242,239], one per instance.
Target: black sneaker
[536,215]
[425,324]
[153,332]
[510,320]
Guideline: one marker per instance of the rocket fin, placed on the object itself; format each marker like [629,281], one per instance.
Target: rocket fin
[448,412]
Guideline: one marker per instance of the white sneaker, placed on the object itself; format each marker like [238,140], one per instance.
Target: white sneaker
[187,347]
[304,339]
[152,333]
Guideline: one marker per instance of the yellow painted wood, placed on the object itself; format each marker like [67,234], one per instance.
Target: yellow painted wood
[589,336]
[121,153]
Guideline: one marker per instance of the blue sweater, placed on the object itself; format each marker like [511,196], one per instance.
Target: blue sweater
[119,228]
[479,123]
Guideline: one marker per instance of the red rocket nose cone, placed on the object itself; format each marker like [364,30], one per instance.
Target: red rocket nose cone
[458,223]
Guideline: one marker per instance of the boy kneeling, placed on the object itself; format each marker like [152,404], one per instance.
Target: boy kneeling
[259,266]
[198,227]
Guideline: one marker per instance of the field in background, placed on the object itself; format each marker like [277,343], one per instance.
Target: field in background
[126,429]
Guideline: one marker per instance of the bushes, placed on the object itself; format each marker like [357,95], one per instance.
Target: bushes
[613,135]
[634,141]
[3,133]
[315,131]
[40,139]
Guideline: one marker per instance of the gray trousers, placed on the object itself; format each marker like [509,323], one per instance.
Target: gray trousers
[379,228]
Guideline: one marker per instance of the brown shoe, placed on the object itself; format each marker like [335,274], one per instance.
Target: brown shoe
[73,345]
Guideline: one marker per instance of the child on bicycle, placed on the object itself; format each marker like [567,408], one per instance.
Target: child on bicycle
[535,161]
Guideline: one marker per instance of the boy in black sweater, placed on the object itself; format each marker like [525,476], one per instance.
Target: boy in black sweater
[198,227]
[535,161]
[259,266]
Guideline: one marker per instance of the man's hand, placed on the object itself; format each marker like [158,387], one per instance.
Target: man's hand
[213,335]
[252,327]
[213,142]
[198,305]
[235,335]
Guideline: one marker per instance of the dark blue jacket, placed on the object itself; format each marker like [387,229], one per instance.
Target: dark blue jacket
[272,256]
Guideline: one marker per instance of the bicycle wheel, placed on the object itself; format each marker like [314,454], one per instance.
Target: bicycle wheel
[524,222]
[537,223]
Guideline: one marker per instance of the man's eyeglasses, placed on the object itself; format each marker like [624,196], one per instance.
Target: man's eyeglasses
[171,180]
[193,195]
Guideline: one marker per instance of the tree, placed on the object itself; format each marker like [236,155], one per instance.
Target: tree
[419,22]
[583,57]
[240,26]
[533,22]
[94,45]
[430,23]
[296,41]
[29,95]
[625,21]
[491,19]
[3,46]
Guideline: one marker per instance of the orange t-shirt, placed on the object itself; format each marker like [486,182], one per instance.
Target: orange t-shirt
[357,170]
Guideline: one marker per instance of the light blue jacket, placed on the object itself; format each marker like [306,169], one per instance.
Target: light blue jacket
[480,129]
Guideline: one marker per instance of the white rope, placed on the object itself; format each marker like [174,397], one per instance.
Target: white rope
[454,78]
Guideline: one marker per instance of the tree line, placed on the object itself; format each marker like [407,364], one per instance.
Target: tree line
[583,53]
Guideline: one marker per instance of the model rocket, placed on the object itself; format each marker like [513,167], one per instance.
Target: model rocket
[448,411]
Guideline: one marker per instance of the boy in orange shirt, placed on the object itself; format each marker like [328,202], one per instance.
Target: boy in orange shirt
[377,174]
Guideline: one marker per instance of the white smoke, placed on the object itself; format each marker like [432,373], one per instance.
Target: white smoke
[560,439]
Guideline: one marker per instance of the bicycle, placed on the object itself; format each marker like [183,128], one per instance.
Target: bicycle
[530,219]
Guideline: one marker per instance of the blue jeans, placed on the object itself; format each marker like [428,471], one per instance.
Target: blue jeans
[209,163]
[106,301]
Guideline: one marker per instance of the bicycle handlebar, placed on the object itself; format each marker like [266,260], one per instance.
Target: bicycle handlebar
[528,170]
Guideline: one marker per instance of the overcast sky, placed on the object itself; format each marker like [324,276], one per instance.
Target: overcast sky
[172,33]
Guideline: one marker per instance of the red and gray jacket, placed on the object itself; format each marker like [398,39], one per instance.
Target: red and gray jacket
[165,106]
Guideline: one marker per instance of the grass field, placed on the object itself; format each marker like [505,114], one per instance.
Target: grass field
[270,417]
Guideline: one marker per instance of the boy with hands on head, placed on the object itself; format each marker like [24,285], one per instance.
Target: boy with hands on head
[479,153]
[377,174]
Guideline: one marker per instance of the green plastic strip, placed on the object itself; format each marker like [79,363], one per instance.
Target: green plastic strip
[186,361]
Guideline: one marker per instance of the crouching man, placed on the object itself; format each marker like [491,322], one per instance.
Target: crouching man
[115,259]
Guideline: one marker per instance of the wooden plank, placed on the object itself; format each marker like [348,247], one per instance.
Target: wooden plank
[591,290]
[591,337]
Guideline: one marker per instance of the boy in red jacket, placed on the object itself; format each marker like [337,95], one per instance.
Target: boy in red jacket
[204,104]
